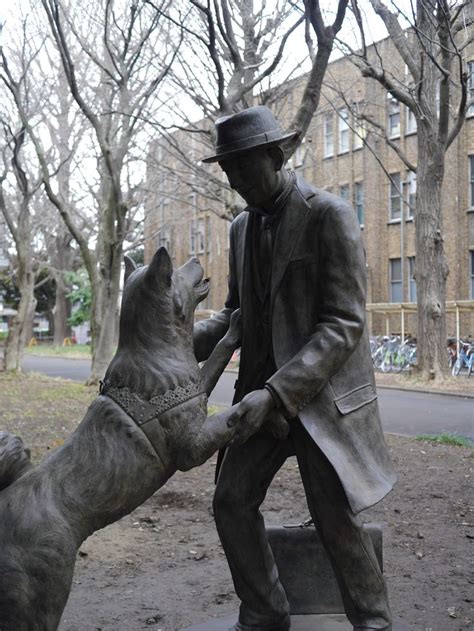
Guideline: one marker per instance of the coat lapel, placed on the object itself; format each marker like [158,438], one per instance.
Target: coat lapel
[292,224]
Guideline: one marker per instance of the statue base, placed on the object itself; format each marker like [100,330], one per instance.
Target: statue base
[311,622]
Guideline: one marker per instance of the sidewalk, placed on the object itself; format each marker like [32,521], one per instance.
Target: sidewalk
[461,386]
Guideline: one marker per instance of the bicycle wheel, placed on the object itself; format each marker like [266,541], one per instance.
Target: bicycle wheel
[398,362]
[387,363]
[378,359]
[457,367]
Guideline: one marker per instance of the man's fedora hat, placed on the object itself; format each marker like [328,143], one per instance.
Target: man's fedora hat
[253,127]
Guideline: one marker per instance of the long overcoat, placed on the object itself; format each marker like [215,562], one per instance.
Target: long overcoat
[320,342]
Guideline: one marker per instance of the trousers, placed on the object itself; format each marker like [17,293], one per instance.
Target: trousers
[244,477]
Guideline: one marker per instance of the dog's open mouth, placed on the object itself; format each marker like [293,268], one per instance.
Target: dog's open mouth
[201,288]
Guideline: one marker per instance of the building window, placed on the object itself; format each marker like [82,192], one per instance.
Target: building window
[395,198]
[410,121]
[197,237]
[411,279]
[328,135]
[471,181]
[343,130]
[208,234]
[470,87]
[393,117]
[360,132]
[472,274]
[192,237]
[396,280]
[299,155]
[344,192]
[200,236]
[163,238]
[410,193]
[359,201]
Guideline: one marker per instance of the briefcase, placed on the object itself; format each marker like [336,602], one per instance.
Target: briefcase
[305,570]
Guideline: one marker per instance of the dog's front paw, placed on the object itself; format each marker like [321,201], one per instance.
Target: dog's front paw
[234,332]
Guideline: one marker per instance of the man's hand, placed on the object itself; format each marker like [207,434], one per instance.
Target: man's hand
[254,410]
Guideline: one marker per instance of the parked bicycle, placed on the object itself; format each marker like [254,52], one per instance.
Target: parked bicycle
[465,359]
[390,355]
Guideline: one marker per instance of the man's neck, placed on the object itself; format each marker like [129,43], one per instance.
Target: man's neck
[283,179]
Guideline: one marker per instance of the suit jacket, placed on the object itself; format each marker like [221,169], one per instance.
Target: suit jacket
[324,370]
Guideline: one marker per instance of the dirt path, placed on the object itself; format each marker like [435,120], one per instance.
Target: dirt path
[162,566]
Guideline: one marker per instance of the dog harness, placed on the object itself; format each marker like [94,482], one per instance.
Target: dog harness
[143,411]
[146,414]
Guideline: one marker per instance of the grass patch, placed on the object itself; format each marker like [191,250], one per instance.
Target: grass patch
[77,351]
[42,410]
[446,439]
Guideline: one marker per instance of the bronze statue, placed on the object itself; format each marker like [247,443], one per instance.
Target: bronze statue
[149,420]
[297,273]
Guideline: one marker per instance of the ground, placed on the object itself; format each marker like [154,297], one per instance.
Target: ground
[162,566]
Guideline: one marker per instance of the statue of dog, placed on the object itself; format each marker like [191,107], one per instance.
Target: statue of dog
[149,420]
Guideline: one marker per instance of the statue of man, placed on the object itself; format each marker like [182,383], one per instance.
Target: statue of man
[298,274]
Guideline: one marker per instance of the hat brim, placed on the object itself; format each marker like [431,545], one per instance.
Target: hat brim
[224,155]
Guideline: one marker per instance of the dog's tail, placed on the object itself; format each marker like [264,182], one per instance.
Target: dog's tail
[14,459]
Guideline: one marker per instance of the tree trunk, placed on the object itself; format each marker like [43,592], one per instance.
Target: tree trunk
[431,266]
[19,327]
[104,329]
[106,289]
[61,313]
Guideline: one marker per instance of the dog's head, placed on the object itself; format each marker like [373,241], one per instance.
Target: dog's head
[14,459]
[158,300]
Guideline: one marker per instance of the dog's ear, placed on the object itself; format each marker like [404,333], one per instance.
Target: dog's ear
[130,266]
[160,269]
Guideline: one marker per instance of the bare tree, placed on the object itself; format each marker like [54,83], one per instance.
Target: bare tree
[16,202]
[428,42]
[236,56]
[114,57]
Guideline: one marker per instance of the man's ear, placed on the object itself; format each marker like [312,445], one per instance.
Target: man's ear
[160,269]
[130,266]
[277,156]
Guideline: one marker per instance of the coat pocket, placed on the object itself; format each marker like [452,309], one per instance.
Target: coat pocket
[355,399]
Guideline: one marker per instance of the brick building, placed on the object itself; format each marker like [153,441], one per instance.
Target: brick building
[342,156]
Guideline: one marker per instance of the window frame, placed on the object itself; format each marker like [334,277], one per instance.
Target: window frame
[392,197]
[410,192]
[359,202]
[470,86]
[411,268]
[411,126]
[395,283]
[343,138]
[328,135]
[393,106]
[471,180]
[471,252]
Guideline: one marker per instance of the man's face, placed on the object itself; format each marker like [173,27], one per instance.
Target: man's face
[253,175]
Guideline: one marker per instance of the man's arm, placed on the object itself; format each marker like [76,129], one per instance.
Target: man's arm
[341,320]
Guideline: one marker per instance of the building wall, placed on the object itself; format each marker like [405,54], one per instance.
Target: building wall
[385,239]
